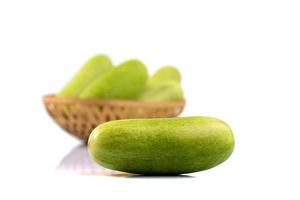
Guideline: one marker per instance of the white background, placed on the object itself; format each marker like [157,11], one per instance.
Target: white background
[239,61]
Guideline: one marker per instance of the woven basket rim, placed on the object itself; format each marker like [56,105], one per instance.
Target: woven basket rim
[57,99]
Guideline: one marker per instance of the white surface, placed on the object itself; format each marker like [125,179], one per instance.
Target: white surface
[239,62]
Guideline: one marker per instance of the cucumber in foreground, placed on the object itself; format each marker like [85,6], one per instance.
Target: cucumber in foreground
[161,146]
[125,81]
[92,69]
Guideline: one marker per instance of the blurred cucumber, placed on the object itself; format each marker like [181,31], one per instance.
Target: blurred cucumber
[125,81]
[165,91]
[164,85]
[163,74]
[92,69]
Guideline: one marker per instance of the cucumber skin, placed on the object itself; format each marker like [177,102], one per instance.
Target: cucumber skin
[164,74]
[125,81]
[164,85]
[161,146]
[92,69]
[165,91]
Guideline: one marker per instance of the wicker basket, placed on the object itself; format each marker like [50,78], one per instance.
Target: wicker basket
[80,116]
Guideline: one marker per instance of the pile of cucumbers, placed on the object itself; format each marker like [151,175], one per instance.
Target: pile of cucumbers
[99,79]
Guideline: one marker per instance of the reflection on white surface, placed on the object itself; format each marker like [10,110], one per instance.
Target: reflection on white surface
[79,161]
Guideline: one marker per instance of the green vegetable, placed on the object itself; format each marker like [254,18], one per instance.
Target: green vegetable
[123,82]
[164,85]
[92,69]
[161,146]
[165,91]
[164,74]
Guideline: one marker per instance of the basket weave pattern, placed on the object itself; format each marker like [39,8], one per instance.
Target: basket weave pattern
[80,116]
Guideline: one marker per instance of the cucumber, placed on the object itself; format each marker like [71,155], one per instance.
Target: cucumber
[165,91]
[125,81]
[93,68]
[164,74]
[164,85]
[161,146]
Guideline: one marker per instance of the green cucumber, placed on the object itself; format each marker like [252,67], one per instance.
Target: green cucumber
[164,74]
[161,146]
[93,68]
[125,81]
[164,85]
[165,91]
